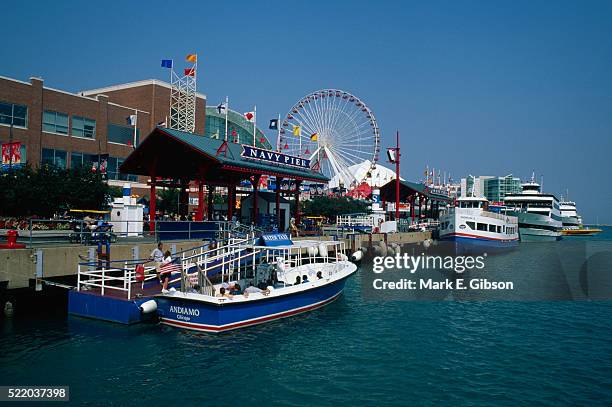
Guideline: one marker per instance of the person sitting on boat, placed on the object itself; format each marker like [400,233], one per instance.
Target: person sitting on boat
[223,293]
[305,279]
[319,275]
[235,289]
[297,280]
[251,289]
[165,272]
[229,287]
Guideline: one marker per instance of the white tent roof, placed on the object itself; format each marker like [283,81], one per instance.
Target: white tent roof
[380,175]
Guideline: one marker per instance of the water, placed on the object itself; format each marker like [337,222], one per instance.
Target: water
[354,351]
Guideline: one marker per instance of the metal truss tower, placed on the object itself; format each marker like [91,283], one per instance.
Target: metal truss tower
[183,99]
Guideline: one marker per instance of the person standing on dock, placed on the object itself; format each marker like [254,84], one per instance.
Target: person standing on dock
[157,256]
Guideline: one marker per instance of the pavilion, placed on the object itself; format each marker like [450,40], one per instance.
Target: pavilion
[176,158]
[429,199]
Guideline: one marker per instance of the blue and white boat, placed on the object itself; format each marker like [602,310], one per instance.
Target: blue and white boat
[275,264]
[473,225]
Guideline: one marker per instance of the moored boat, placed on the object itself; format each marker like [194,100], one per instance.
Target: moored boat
[580,231]
[539,216]
[270,287]
[471,225]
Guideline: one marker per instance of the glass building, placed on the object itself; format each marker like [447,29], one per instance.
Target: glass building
[496,188]
[493,188]
[239,129]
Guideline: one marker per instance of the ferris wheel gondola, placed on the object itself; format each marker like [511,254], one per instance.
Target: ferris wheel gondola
[335,130]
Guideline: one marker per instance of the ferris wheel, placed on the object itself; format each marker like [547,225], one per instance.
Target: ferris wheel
[335,130]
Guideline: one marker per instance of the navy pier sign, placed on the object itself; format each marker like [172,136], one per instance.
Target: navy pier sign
[274,157]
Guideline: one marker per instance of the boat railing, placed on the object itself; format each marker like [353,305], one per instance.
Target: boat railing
[327,252]
[359,220]
[493,215]
[119,277]
[118,280]
[228,260]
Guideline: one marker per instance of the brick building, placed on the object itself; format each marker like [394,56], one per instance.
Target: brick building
[70,130]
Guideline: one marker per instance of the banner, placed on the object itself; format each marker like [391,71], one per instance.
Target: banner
[101,166]
[11,154]
[260,154]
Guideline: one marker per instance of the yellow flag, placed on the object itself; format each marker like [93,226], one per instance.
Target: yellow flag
[297,130]
[192,58]
[314,137]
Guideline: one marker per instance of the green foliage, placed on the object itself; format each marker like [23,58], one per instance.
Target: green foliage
[332,206]
[167,200]
[115,192]
[49,190]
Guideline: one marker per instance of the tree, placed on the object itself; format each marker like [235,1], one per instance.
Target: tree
[49,190]
[168,200]
[332,206]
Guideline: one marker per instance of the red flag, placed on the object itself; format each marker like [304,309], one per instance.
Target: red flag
[189,72]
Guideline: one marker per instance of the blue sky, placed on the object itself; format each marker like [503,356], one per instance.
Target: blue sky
[487,88]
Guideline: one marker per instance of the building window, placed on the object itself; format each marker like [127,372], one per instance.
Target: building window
[51,156]
[82,159]
[83,127]
[113,170]
[122,134]
[10,113]
[55,122]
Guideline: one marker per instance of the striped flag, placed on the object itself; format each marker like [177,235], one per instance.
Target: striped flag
[170,268]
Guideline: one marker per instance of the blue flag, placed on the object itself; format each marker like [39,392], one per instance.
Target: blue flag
[166,63]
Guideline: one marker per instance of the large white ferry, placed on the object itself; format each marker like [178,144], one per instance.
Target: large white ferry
[569,215]
[539,214]
[471,224]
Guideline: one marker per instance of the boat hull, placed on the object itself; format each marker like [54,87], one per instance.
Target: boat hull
[469,244]
[208,317]
[580,232]
[534,227]
[529,234]
[571,221]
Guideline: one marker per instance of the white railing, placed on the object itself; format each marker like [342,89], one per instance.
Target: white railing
[359,220]
[228,258]
[493,215]
[89,277]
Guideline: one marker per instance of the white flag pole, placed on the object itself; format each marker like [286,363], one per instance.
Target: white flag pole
[278,126]
[226,111]
[254,125]
[135,127]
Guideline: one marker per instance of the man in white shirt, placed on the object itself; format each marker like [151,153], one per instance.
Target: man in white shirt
[157,256]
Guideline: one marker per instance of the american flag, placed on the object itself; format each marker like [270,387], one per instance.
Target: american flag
[170,268]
